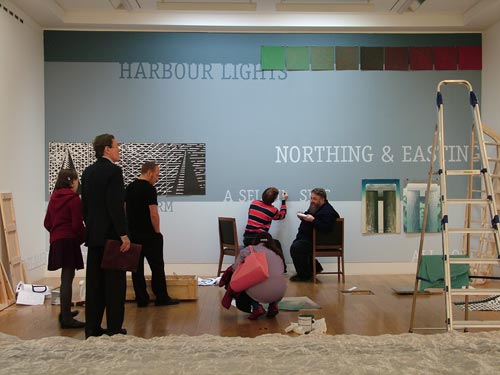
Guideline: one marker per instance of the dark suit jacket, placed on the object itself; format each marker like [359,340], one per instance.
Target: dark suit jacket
[323,221]
[103,202]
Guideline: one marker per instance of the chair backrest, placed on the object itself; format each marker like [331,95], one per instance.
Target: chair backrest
[333,239]
[227,232]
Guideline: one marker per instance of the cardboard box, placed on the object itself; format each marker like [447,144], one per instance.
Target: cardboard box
[183,287]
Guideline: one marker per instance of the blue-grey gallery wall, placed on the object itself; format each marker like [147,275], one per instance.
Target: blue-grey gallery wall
[329,128]
[292,129]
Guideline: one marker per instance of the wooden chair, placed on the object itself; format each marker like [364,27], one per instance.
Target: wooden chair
[330,244]
[228,239]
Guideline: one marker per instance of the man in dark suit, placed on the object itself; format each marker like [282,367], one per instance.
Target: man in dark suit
[104,216]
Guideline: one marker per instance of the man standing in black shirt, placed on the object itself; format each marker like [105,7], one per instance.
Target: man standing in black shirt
[144,226]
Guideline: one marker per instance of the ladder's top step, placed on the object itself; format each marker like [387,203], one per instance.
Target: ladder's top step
[474,260]
[462,172]
[475,292]
[460,324]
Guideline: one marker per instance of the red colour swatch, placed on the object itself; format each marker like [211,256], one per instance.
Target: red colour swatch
[445,58]
[396,58]
[421,58]
[470,58]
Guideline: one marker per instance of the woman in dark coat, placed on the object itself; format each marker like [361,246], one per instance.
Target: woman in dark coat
[64,222]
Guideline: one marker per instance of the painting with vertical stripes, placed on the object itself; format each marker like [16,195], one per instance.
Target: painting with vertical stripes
[413,208]
[380,202]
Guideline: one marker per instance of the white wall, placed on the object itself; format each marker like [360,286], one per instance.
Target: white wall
[22,132]
[490,109]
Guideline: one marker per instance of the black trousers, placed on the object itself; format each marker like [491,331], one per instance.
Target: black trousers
[152,251]
[104,291]
[301,252]
[247,241]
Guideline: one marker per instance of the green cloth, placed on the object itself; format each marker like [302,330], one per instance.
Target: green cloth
[431,273]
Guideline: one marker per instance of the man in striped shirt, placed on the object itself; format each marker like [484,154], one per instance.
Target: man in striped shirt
[261,214]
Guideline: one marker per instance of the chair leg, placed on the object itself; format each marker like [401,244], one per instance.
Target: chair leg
[338,269]
[343,270]
[314,269]
[219,270]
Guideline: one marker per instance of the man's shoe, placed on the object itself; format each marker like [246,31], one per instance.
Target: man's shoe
[95,333]
[167,302]
[297,278]
[121,331]
[272,310]
[72,324]
[142,303]
[73,314]
[258,311]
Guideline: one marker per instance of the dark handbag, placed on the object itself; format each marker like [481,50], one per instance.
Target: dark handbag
[114,259]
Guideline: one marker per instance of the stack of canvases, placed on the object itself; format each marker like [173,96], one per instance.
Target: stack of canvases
[9,242]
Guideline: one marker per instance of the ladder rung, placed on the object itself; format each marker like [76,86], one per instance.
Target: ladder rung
[469,201]
[474,260]
[470,230]
[463,172]
[460,324]
[476,221]
[490,158]
[475,292]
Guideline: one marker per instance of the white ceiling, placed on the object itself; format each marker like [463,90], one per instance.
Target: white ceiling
[264,15]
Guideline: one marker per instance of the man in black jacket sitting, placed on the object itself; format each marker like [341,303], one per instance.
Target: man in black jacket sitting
[320,215]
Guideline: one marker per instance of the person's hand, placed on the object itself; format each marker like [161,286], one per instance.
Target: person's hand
[125,246]
[284,196]
[309,218]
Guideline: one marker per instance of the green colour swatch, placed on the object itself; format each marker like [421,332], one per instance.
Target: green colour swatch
[272,58]
[297,58]
[322,58]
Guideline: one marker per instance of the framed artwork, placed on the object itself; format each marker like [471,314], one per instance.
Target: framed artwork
[182,165]
[380,203]
[414,205]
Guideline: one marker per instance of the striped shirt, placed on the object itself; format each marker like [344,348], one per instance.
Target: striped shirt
[260,216]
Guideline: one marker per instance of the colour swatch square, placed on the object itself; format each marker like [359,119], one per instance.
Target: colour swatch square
[470,58]
[322,58]
[347,58]
[396,58]
[445,58]
[297,58]
[272,58]
[372,58]
[421,58]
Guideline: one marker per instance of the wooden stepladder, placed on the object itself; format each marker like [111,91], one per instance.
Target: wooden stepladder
[7,296]
[480,197]
[11,275]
